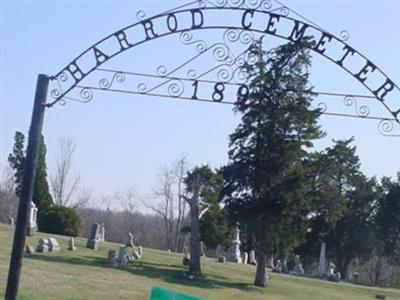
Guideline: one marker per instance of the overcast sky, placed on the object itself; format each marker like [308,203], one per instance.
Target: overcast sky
[123,140]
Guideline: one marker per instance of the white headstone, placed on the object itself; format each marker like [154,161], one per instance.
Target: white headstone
[102,232]
[32,221]
[11,220]
[252,258]
[54,246]
[202,252]
[245,257]
[322,261]
[129,242]
[298,268]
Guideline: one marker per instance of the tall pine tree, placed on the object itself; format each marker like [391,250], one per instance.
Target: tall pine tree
[41,193]
[265,186]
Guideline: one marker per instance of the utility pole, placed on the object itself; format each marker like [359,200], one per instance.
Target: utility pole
[28,183]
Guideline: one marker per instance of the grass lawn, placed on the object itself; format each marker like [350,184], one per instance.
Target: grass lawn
[83,274]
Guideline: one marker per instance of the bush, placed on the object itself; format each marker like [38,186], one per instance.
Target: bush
[59,220]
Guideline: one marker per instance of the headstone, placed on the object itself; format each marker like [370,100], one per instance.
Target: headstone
[245,258]
[102,233]
[278,267]
[186,256]
[252,258]
[111,260]
[11,220]
[202,252]
[331,274]
[93,242]
[71,244]
[122,254]
[54,246]
[137,254]
[270,262]
[129,242]
[29,249]
[234,249]
[43,246]
[298,268]
[32,221]
[221,259]
[322,261]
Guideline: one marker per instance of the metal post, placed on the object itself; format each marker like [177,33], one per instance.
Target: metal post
[28,183]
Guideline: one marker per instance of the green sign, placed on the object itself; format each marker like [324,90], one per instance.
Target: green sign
[158,293]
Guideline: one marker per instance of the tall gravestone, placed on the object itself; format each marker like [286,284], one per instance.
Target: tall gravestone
[32,221]
[322,261]
[202,252]
[252,257]
[93,242]
[298,268]
[234,250]
[11,220]
[129,241]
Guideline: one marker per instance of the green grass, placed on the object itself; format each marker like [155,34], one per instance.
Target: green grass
[83,274]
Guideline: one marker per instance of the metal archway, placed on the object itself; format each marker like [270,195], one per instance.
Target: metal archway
[261,17]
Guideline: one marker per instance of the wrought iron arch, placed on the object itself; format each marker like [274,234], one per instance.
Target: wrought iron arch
[184,20]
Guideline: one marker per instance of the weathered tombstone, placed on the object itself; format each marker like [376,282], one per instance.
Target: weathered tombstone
[186,256]
[122,254]
[221,259]
[29,249]
[322,261]
[93,242]
[71,244]
[245,257]
[54,246]
[102,232]
[202,252]
[129,242]
[137,254]
[32,221]
[43,246]
[298,268]
[252,258]
[140,251]
[270,262]
[111,260]
[331,274]
[278,267]
[11,220]
[234,249]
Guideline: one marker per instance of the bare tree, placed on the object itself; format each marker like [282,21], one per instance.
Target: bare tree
[8,197]
[180,170]
[166,206]
[172,207]
[63,183]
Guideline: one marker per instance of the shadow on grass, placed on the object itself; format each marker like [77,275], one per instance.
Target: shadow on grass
[171,273]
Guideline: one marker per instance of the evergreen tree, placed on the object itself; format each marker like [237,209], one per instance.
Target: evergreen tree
[16,160]
[388,219]
[265,179]
[343,207]
[41,193]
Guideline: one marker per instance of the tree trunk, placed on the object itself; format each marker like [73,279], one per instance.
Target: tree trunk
[194,266]
[261,278]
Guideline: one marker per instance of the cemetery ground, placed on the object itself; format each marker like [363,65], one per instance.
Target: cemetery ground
[83,274]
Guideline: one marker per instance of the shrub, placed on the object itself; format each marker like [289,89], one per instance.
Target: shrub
[59,220]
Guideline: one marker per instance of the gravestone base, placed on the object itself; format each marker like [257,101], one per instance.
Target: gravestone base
[92,244]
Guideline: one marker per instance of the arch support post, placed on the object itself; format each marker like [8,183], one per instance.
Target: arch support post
[28,183]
